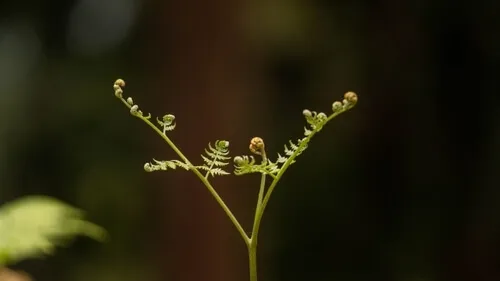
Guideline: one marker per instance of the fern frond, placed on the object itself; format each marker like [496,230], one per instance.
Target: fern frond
[213,171]
[281,159]
[293,148]
[215,158]
[216,163]
[34,226]
[167,122]
[164,165]
[316,121]
[272,168]
[246,165]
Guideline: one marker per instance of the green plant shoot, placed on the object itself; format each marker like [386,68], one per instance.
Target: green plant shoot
[215,160]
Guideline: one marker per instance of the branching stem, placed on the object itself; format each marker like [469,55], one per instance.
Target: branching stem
[202,178]
[316,121]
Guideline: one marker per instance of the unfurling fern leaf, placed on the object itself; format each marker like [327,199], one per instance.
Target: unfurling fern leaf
[34,226]
[167,122]
[246,165]
[164,165]
[215,158]
[315,120]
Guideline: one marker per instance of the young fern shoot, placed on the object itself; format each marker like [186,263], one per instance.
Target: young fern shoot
[216,159]
[246,164]
[166,125]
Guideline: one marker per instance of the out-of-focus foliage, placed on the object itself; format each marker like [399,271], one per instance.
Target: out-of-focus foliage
[34,226]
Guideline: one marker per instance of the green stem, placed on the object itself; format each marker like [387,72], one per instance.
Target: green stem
[252,246]
[262,187]
[252,258]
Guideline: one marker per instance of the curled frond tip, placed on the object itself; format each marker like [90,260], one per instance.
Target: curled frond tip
[117,86]
[336,106]
[167,122]
[222,145]
[257,146]
[350,99]
[134,110]
[130,101]
[120,82]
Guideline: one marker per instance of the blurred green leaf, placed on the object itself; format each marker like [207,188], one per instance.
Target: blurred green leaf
[34,226]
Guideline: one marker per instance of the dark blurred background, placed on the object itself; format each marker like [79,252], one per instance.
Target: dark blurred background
[405,187]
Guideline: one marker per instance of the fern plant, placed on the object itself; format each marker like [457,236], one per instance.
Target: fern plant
[216,159]
[33,226]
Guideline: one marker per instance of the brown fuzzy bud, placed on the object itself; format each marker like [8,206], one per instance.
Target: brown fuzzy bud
[351,97]
[257,145]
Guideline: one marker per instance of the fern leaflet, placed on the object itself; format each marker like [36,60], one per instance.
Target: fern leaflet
[246,165]
[215,158]
[164,165]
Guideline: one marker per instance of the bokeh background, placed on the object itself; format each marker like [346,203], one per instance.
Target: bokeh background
[405,187]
